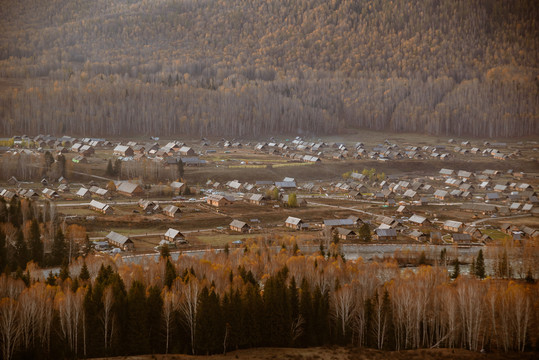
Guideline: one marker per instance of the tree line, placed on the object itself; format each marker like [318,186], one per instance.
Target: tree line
[258,295]
[247,69]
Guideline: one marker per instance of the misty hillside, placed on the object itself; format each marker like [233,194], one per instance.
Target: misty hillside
[246,68]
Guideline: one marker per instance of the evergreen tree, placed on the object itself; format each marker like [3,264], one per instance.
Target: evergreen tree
[110,169]
[21,251]
[164,251]
[154,320]
[59,248]
[137,338]
[35,243]
[84,273]
[64,271]
[456,270]
[61,164]
[365,232]
[253,314]
[170,273]
[307,313]
[51,279]
[209,324]
[49,160]
[479,266]
[321,316]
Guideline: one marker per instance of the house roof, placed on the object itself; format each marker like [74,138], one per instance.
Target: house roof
[127,187]
[117,238]
[346,232]
[171,209]
[417,219]
[172,233]
[98,205]
[386,232]
[238,224]
[176,184]
[453,224]
[338,222]
[293,220]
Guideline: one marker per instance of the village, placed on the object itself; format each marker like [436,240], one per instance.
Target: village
[136,196]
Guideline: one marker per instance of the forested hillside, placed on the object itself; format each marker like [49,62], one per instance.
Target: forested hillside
[246,67]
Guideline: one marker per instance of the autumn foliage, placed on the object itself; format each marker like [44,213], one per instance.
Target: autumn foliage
[259,295]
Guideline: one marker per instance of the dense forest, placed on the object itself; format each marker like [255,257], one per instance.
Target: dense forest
[258,295]
[247,68]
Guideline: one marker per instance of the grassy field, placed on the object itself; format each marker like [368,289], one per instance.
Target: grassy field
[496,235]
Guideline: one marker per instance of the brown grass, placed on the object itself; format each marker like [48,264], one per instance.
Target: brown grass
[340,353]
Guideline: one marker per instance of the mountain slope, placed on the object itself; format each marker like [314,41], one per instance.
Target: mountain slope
[244,67]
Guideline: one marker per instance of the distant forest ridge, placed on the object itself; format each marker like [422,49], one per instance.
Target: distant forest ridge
[251,68]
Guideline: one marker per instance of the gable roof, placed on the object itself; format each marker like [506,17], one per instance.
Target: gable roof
[293,220]
[238,224]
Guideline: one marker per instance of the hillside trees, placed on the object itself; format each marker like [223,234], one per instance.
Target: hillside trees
[441,67]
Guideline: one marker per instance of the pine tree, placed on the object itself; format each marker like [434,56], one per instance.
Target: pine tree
[84,273]
[59,248]
[365,232]
[170,273]
[456,270]
[154,305]
[479,266]
[138,342]
[307,313]
[64,272]
[51,279]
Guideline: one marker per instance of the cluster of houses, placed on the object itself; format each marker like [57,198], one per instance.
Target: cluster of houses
[170,154]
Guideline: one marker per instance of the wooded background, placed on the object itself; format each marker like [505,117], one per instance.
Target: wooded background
[249,68]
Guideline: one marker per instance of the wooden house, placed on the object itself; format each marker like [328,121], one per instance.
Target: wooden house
[121,241]
[454,226]
[100,207]
[346,234]
[219,200]
[385,234]
[239,226]
[129,189]
[173,235]
[293,223]
[172,211]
